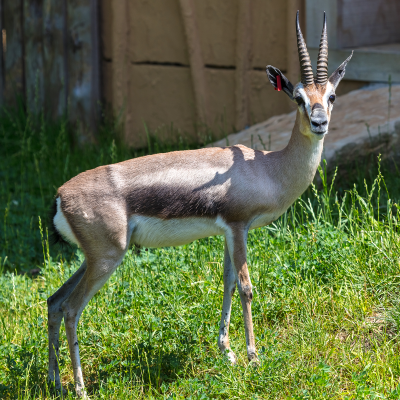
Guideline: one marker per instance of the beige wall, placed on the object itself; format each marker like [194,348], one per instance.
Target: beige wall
[147,69]
[368,22]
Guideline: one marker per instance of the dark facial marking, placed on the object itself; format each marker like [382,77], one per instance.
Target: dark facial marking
[316,106]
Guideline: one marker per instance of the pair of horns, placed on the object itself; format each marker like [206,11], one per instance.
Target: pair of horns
[307,77]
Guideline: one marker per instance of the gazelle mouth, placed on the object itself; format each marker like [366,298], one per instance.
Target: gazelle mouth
[320,133]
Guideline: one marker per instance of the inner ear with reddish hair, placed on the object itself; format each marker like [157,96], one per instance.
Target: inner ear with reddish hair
[273,74]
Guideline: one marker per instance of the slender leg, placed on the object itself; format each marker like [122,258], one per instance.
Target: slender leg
[229,290]
[55,316]
[237,243]
[97,273]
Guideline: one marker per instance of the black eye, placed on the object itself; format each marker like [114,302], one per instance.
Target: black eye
[299,100]
[332,98]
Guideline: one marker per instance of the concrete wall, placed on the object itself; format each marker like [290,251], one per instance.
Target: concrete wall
[369,27]
[368,22]
[195,62]
[148,71]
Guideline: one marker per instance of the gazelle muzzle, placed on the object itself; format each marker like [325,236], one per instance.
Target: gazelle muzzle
[319,120]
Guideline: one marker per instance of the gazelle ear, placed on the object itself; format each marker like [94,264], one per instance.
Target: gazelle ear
[287,87]
[338,75]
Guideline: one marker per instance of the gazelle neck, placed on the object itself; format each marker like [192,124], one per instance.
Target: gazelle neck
[300,159]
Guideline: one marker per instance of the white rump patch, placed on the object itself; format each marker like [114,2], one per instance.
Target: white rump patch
[62,225]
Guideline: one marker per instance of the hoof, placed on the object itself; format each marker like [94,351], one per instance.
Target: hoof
[231,356]
[57,387]
[81,393]
[253,359]
[254,362]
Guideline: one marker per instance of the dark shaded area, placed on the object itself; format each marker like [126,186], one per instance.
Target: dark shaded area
[36,157]
[150,364]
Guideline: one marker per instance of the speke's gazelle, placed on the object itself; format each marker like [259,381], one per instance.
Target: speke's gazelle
[175,198]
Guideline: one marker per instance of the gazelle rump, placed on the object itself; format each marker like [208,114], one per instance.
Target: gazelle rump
[174,198]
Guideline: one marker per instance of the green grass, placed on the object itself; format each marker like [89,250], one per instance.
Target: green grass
[326,297]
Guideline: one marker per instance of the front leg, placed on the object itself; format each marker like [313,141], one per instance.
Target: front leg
[229,290]
[236,238]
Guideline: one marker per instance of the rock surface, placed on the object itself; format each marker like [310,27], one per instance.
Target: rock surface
[362,122]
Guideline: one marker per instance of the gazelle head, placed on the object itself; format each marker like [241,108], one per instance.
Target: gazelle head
[314,97]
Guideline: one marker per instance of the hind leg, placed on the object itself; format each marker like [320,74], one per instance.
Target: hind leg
[55,316]
[99,269]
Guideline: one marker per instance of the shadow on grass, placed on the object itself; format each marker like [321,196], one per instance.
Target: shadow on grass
[145,364]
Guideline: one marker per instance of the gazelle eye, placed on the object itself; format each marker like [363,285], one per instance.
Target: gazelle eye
[332,98]
[299,100]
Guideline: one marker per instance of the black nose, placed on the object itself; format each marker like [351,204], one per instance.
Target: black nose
[319,122]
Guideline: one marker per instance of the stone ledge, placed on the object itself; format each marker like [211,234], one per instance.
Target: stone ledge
[360,125]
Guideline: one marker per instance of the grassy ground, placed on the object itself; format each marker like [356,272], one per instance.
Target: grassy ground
[326,296]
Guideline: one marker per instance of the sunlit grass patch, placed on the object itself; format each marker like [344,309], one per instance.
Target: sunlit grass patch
[325,313]
[326,302]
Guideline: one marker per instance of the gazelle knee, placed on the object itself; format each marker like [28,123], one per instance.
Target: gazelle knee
[70,315]
[223,339]
[55,312]
[246,292]
[53,305]
[230,281]
[230,286]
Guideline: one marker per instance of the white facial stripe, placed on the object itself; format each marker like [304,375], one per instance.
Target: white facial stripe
[300,90]
[329,90]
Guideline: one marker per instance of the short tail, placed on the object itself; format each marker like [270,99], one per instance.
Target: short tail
[55,236]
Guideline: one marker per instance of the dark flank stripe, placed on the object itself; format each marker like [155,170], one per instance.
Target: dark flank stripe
[167,202]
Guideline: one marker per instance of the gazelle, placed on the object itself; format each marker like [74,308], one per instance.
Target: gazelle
[175,198]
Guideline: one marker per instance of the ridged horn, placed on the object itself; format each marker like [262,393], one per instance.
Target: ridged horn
[322,63]
[307,77]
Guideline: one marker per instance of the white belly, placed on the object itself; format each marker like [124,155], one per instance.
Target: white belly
[156,232]
[264,219]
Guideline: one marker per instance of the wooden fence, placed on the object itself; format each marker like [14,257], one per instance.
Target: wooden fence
[50,57]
